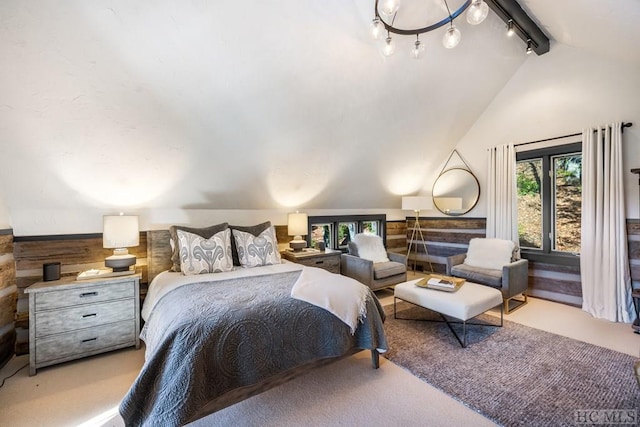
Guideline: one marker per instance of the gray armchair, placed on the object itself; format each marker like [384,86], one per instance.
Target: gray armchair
[512,279]
[376,275]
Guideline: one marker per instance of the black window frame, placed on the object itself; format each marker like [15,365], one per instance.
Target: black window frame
[546,254]
[336,219]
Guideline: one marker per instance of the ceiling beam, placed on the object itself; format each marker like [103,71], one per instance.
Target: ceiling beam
[524,26]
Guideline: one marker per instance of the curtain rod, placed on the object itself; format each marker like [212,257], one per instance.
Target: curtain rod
[624,125]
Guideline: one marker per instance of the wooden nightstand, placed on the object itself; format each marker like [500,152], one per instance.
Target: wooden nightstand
[70,319]
[329,259]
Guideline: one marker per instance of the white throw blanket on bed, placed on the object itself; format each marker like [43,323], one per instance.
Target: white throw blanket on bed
[342,296]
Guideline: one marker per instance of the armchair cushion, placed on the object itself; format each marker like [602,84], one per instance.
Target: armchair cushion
[369,246]
[485,276]
[382,270]
[490,254]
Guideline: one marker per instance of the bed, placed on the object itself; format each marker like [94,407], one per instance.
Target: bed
[213,339]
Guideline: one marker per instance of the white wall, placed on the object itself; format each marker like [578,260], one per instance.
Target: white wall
[74,221]
[557,94]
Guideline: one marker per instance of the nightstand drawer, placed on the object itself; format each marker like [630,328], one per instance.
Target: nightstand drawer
[85,341]
[84,316]
[331,264]
[328,260]
[84,295]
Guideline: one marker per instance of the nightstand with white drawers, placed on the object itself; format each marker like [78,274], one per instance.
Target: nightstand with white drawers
[70,319]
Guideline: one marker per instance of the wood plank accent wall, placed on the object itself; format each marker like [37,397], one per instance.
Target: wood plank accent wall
[8,297]
[560,283]
[76,253]
[397,236]
[443,237]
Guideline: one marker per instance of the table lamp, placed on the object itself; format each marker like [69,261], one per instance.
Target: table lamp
[297,226]
[120,232]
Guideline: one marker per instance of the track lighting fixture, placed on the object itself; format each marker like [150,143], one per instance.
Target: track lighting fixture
[441,15]
[510,29]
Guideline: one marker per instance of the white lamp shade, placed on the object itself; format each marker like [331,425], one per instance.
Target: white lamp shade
[297,224]
[120,231]
[416,203]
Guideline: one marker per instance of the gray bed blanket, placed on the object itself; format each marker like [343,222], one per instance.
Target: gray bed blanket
[207,339]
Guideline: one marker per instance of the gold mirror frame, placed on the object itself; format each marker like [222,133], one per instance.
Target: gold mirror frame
[456,191]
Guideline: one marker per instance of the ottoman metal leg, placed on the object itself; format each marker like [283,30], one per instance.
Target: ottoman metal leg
[464,323]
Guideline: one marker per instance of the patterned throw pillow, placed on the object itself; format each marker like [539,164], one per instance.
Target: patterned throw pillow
[253,229]
[199,255]
[205,232]
[256,251]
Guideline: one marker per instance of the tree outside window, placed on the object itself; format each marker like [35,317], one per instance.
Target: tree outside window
[549,183]
[338,231]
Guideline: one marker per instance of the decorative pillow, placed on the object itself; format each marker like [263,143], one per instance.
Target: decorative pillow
[370,247]
[252,229]
[199,255]
[256,251]
[489,253]
[205,232]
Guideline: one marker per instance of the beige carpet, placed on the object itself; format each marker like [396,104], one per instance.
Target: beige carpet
[349,392]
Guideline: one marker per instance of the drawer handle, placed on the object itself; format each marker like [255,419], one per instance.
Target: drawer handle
[89,315]
[319,262]
[89,339]
[89,294]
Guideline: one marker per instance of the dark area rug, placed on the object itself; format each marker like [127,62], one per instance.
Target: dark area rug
[516,375]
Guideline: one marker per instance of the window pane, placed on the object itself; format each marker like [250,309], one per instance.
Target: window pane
[321,232]
[567,173]
[346,233]
[529,173]
[370,227]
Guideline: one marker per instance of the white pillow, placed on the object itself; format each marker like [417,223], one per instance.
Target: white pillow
[199,255]
[370,247]
[489,253]
[256,251]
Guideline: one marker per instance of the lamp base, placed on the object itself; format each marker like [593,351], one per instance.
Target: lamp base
[298,245]
[120,263]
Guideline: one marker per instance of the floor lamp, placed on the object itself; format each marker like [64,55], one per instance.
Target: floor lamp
[416,204]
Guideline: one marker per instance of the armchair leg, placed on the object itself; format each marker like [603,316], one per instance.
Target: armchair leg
[517,303]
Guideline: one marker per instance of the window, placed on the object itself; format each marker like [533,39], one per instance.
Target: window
[549,185]
[321,232]
[346,233]
[338,231]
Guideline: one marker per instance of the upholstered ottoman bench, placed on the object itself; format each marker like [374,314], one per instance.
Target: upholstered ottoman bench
[466,303]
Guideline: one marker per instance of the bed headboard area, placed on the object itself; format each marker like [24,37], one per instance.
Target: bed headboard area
[159,249]
[158,252]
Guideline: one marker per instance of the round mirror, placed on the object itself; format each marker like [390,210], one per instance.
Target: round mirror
[456,192]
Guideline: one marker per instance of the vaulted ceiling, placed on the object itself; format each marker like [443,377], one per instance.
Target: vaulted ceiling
[249,104]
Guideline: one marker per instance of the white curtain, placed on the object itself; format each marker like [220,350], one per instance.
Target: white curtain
[604,263]
[502,209]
